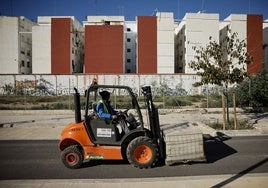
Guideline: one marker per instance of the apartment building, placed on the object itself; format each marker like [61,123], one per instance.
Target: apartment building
[130,32]
[147,45]
[104,44]
[165,43]
[109,44]
[15,45]
[250,29]
[265,44]
[58,45]
[193,30]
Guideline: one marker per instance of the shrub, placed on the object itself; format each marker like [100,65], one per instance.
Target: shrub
[241,124]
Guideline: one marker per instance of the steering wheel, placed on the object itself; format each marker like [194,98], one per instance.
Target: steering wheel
[123,114]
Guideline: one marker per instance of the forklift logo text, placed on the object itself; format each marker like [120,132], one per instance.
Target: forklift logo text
[104,132]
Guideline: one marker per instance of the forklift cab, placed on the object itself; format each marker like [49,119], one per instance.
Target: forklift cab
[123,100]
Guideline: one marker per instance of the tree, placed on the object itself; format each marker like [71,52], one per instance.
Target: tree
[253,92]
[222,64]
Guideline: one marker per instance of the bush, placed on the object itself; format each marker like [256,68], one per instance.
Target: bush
[241,124]
[177,101]
[253,92]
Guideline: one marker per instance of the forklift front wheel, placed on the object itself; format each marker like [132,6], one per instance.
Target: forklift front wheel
[142,152]
[72,157]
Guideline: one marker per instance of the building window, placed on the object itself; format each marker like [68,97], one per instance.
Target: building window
[128,60]
[22,63]
[128,40]
[28,64]
[128,71]
[128,50]
[128,29]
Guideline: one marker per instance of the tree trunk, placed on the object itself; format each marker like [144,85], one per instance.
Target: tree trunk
[227,107]
[223,112]
[234,104]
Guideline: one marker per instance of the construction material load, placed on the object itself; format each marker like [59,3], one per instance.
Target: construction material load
[183,143]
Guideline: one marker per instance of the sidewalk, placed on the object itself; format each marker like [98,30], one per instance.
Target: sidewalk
[47,125]
[233,181]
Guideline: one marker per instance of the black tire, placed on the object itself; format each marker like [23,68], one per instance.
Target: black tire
[142,152]
[72,157]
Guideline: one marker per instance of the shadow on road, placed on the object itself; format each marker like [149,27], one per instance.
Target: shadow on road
[215,148]
[104,162]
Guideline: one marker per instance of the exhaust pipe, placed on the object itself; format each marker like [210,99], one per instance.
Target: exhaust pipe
[77,108]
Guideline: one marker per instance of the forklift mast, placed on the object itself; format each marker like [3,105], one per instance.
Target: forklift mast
[153,119]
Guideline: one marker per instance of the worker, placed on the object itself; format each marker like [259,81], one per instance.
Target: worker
[106,111]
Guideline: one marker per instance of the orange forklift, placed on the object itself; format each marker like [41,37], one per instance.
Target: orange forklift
[91,138]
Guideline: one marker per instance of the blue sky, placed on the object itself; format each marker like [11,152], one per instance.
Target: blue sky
[129,8]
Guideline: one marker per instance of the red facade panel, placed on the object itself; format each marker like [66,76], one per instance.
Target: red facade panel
[147,44]
[254,42]
[60,45]
[104,49]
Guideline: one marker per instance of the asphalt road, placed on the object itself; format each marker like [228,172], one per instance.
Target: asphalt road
[41,160]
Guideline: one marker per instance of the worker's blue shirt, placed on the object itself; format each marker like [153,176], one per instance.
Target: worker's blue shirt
[101,110]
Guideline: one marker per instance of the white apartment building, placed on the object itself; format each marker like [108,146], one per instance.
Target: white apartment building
[42,42]
[27,48]
[265,44]
[234,23]
[165,43]
[104,20]
[42,45]
[193,30]
[130,31]
[15,45]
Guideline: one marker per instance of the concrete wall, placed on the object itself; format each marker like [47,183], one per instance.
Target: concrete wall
[64,84]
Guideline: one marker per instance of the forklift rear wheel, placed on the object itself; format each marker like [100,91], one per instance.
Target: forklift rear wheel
[142,152]
[72,157]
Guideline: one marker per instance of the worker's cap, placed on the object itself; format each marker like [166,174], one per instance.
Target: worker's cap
[104,94]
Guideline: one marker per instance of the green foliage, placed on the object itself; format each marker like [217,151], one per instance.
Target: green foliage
[253,92]
[221,63]
[213,102]
[177,101]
